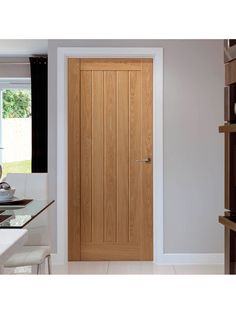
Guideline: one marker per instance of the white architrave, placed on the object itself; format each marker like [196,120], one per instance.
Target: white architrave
[62,133]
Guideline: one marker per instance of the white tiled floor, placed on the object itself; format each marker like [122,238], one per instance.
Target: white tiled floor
[138,268]
[126,268]
[199,269]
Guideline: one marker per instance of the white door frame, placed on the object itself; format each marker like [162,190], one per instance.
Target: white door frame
[62,133]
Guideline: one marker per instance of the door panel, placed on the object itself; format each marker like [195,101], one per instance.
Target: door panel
[86,156]
[110,157]
[123,156]
[114,108]
[111,64]
[74,167]
[135,150]
[147,139]
[98,156]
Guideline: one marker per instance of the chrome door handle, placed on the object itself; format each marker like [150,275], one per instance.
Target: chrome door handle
[144,160]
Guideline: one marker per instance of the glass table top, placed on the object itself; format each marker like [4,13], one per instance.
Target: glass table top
[13,216]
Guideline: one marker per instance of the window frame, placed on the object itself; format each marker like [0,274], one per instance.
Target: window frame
[11,83]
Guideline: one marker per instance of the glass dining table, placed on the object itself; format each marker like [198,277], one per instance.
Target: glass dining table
[17,215]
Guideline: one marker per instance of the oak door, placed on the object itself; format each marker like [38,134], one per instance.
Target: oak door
[110,159]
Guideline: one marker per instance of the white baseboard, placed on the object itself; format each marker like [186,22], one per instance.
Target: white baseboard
[197,259]
[172,259]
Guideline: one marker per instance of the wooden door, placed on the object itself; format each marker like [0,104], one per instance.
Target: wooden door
[110,133]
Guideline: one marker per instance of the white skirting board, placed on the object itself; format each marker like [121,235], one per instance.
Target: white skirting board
[173,259]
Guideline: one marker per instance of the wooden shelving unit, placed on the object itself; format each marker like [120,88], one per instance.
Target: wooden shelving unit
[227,128]
[229,218]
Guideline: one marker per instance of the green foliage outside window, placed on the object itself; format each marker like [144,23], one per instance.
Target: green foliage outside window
[16,103]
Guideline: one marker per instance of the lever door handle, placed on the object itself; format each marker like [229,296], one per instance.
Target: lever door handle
[144,160]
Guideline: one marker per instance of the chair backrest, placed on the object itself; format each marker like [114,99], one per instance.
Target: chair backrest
[35,186]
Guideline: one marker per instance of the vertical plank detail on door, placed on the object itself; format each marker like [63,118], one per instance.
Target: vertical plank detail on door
[110,129]
[123,156]
[135,154]
[110,155]
[86,158]
[74,232]
[146,244]
[97,157]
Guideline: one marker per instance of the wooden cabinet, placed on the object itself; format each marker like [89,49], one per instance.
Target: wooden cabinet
[229,222]
[230,72]
[229,130]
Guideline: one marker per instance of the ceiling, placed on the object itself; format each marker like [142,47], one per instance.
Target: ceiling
[22,47]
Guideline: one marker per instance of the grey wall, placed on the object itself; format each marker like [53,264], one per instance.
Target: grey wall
[9,68]
[23,47]
[193,149]
[19,50]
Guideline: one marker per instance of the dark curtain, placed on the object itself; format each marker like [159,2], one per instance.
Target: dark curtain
[39,90]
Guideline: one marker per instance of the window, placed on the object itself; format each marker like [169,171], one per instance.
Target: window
[15,126]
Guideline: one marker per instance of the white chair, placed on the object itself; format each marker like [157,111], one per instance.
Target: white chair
[31,256]
[38,246]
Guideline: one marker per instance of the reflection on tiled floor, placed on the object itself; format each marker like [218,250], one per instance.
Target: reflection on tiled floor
[25,270]
[135,268]
[126,268]
[199,269]
[139,268]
